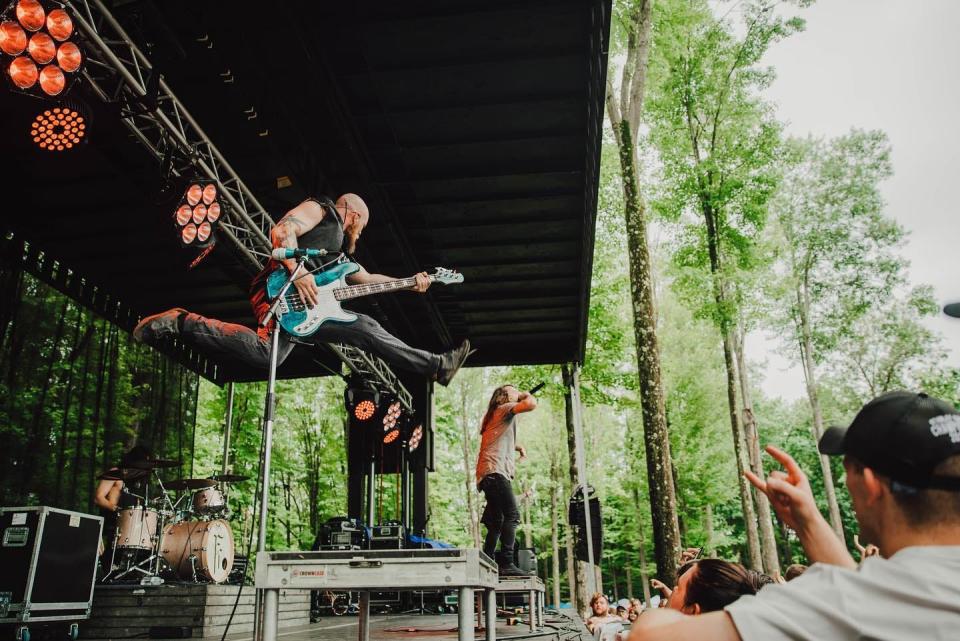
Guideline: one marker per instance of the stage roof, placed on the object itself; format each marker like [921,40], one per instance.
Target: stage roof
[472,129]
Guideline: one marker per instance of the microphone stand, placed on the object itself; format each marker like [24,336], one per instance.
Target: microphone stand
[267,607]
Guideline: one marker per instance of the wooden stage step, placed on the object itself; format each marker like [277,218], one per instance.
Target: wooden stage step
[128,612]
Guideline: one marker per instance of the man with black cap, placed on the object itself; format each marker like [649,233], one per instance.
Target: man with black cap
[902,462]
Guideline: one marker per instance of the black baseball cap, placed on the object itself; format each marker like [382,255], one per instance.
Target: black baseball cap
[903,435]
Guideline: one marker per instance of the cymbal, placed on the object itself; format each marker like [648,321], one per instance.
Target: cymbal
[229,478]
[123,474]
[190,484]
[152,463]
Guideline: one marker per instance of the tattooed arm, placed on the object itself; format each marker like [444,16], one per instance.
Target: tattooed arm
[297,222]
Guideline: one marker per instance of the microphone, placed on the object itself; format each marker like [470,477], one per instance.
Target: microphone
[284,253]
[536,388]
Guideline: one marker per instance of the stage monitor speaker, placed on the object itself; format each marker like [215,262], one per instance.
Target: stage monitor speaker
[578,520]
[527,560]
[389,536]
[48,558]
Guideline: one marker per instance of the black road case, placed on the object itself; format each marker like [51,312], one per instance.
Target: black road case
[49,560]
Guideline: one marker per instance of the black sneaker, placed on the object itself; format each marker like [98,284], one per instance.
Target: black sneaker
[159,326]
[450,362]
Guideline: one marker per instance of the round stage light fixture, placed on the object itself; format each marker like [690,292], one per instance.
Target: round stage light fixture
[59,25]
[209,194]
[58,129]
[23,73]
[52,80]
[194,219]
[415,437]
[13,39]
[364,410]
[188,233]
[30,14]
[69,57]
[42,48]
[36,35]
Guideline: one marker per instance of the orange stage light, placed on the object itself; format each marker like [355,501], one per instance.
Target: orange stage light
[194,193]
[204,231]
[184,214]
[41,48]
[30,14]
[213,212]
[199,213]
[69,57]
[56,129]
[13,39]
[188,233]
[209,194]
[52,80]
[23,72]
[59,24]
[364,410]
[391,436]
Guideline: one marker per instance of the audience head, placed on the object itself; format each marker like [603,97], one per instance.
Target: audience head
[902,461]
[599,605]
[793,571]
[709,585]
[636,609]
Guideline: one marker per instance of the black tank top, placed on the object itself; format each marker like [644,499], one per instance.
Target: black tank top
[328,235]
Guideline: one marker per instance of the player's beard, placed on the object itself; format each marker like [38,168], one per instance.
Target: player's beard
[350,235]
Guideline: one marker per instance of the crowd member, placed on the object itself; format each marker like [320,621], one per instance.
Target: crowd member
[793,571]
[636,609]
[601,614]
[623,607]
[902,463]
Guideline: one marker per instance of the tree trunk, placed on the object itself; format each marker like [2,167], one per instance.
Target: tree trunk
[581,583]
[616,588]
[642,550]
[755,560]
[708,550]
[527,525]
[469,478]
[810,378]
[555,532]
[571,569]
[629,572]
[768,542]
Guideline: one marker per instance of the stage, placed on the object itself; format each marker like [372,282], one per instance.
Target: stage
[416,627]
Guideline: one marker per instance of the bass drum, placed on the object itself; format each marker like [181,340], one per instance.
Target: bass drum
[204,545]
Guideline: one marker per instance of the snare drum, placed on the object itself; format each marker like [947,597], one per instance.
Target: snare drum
[136,528]
[210,543]
[209,501]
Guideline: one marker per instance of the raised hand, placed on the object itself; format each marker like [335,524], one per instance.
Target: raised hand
[789,491]
[657,584]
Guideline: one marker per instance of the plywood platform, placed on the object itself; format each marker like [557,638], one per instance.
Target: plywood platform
[128,612]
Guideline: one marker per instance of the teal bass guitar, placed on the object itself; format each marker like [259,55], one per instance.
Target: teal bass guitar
[297,319]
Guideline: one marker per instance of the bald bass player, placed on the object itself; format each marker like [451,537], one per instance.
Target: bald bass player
[335,228]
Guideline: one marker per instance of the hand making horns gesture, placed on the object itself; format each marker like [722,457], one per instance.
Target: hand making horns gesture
[789,491]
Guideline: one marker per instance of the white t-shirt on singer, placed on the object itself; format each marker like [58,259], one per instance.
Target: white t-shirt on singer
[915,594]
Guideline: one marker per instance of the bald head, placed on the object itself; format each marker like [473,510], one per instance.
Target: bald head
[355,217]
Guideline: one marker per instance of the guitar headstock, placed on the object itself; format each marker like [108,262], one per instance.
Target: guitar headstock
[446,276]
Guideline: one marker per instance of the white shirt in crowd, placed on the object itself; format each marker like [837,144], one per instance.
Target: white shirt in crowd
[915,594]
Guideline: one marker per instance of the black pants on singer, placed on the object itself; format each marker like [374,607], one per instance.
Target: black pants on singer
[501,517]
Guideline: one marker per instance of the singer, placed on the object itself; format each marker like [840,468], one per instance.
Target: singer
[495,469]
[331,229]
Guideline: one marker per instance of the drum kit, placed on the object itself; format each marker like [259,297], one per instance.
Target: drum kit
[182,533]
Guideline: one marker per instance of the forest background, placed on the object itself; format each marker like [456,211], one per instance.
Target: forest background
[750,232]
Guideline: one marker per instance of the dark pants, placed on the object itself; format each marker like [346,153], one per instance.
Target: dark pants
[215,337]
[501,517]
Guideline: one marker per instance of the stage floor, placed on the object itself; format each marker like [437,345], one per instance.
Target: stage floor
[430,627]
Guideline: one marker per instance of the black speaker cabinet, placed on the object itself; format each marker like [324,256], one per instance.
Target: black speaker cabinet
[48,563]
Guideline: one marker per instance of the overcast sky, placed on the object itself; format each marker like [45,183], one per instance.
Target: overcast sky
[892,65]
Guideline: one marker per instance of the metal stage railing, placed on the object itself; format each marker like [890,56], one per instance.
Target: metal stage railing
[119,72]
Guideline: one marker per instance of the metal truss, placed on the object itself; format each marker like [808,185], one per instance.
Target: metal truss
[119,73]
[374,370]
